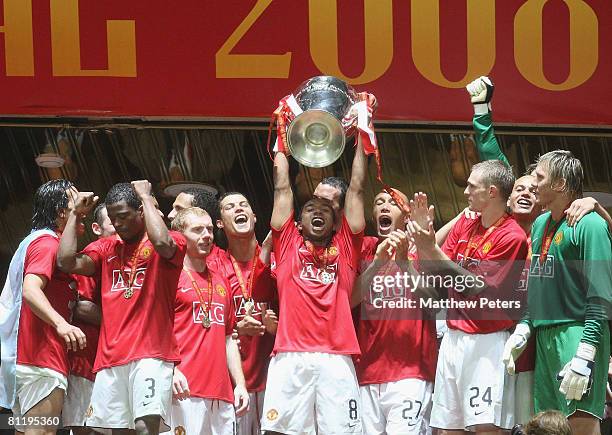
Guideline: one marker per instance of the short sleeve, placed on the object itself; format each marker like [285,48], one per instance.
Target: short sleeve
[98,251]
[181,249]
[450,244]
[41,256]
[349,242]
[284,239]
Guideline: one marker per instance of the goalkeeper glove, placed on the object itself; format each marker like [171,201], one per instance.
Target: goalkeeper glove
[481,92]
[576,375]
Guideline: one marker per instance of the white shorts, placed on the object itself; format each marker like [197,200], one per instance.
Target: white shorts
[472,386]
[250,423]
[523,405]
[305,389]
[125,393]
[78,398]
[401,407]
[198,416]
[33,384]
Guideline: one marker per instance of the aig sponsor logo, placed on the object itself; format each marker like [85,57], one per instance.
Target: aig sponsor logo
[217,313]
[120,280]
[311,272]
[239,302]
[546,270]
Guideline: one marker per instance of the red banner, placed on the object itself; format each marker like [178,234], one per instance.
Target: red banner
[550,59]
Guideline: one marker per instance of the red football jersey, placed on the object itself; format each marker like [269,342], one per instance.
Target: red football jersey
[395,344]
[38,343]
[82,361]
[139,326]
[254,351]
[499,261]
[315,312]
[203,355]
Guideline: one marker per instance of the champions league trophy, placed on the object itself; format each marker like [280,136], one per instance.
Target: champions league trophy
[315,121]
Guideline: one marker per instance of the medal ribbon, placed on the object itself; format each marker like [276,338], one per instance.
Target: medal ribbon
[247,290]
[310,247]
[484,238]
[133,262]
[548,238]
[198,291]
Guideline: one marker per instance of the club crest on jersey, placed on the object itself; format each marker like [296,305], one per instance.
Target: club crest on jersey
[240,304]
[272,414]
[486,247]
[332,250]
[217,313]
[310,272]
[546,270]
[221,290]
[558,238]
[146,252]
[119,279]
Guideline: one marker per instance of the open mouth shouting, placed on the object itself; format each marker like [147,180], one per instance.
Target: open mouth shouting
[384,223]
[241,220]
[318,223]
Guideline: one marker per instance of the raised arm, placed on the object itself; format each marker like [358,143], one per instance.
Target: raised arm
[481,92]
[353,205]
[283,196]
[154,223]
[68,260]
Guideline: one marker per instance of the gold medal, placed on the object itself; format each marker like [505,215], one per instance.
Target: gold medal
[249,306]
[206,320]
[128,293]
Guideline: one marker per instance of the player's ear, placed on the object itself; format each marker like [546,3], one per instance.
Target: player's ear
[298,225]
[95,227]
[254,218]
[219,224]
[559,185]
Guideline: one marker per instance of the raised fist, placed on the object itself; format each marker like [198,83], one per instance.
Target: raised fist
[481,90]
[142,188]
[84,202]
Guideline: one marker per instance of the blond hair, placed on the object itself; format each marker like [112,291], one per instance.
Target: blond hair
[548,423]
[181,220]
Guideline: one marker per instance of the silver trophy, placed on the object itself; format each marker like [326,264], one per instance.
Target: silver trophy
[317,136]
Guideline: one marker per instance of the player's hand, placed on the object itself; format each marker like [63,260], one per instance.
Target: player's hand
[578,209]
[270,321]
[419,209]
[180,386]
[250,326]
[481,92]
[241,400]
[142,188]
[576,375]
[515,345]
[73,336]
[84,203]
[424,237]
[401,244]
[385,251]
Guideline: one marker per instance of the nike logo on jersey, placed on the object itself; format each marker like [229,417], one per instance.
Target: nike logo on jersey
[184,290]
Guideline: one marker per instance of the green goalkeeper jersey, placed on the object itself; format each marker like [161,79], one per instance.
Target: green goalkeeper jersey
[574,281]
[486,142]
